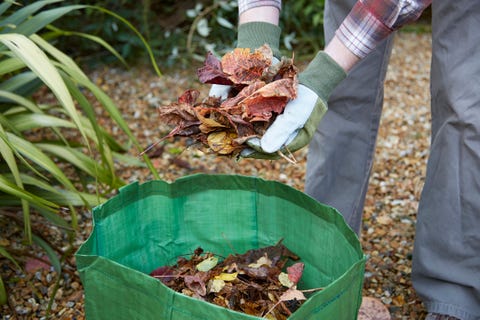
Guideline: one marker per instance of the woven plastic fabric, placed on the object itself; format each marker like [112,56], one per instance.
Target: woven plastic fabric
[151,224]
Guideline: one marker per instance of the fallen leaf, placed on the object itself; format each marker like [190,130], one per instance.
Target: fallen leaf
[259,92]
[292,294]
[285,280]
[164,273]
[215,285]
[373,309]
[32,265]
[244,67]
[246,282]
[261,262]
[222,142]
[295,272]
[196,284]
[227,276]
[207,264]
[212,73]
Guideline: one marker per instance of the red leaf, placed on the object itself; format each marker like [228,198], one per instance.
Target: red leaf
[189,97]
[211,72]
[164,273]
[33,264]
[232,104]
[295,272]
[273,97]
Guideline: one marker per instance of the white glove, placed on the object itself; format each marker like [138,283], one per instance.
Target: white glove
[220,91]
[287,125]
[295,127]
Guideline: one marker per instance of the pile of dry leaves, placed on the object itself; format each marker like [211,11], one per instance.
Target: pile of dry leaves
[259,91]
[253,283]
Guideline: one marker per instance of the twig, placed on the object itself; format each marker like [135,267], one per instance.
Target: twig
[271,309]
[195,22]
[229,243]
[292,160]
[311,290]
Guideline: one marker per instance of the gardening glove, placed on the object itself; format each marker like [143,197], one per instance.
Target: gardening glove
[294,128]
[252,35]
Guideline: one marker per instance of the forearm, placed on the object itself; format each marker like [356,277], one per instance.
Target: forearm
[341,54]
[260,14]
[259,11]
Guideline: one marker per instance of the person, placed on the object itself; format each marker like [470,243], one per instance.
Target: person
[349,74]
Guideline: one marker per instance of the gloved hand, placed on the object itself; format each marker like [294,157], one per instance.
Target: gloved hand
[294,128]
[252,35]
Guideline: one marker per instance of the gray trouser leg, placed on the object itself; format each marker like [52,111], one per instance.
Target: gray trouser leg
[446,261]
[340,155]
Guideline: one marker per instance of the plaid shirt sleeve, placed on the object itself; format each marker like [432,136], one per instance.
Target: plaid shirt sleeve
[371,21]
[244,5]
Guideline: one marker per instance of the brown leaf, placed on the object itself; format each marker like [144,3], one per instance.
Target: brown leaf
[259,92]
[244,67]
[285,69]
[189,97]
[211,120]
[243,282]
[259,101]
[181,114]
[196,284]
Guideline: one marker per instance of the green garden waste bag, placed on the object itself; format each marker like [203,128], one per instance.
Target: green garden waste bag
[151,224]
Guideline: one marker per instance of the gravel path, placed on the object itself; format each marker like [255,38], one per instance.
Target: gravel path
[392,199]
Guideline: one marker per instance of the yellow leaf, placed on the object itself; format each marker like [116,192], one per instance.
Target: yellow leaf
[261,262]
[285,280]
[215,285]
[207,264]
[222,142]
[227,276]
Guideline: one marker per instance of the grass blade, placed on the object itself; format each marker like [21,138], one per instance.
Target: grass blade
[30,151]
[39,21]
[58,32]
[39,63]
[10,188]
[24,13]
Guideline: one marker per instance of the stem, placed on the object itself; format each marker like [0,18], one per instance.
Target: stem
[195,22]
[311,290]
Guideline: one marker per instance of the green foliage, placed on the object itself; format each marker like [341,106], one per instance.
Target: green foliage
[302,24]
[171,28]
[179,31]
[48,126]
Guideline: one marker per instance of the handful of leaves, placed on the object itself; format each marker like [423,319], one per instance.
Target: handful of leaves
[259,92]
[253,283]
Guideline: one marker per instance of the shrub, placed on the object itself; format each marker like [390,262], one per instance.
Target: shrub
[41,138]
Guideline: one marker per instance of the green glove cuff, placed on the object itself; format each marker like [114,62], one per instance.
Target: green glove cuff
[322,75]
[255,34]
